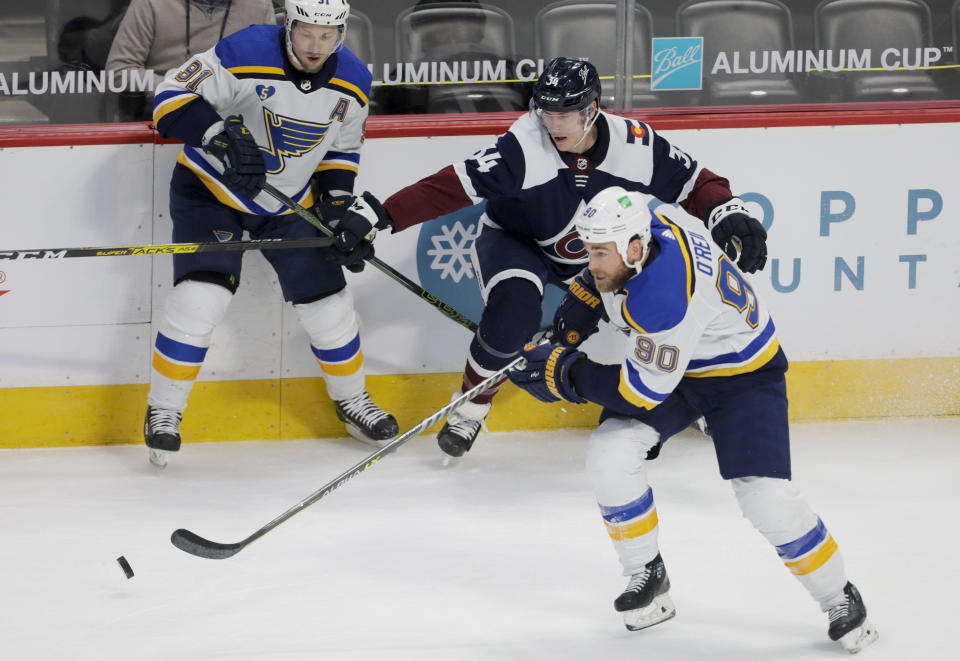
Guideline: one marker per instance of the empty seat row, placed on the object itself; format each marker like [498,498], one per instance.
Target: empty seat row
[585,28]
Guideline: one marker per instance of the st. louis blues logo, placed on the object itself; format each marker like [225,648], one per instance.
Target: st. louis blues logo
[289,137]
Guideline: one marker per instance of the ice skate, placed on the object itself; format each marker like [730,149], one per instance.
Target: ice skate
[849,625]
[366,421]
[161,433]
[462,427]
[646,600]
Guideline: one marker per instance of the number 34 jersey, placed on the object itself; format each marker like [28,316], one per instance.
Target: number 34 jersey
[689,313]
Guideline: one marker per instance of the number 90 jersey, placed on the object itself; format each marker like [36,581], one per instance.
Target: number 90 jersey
[303,123]
[689,313]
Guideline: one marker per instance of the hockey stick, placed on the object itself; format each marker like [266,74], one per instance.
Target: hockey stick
[204,548]
[168,248]
[309,216]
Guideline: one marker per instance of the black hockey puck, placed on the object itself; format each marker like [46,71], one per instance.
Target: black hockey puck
[125,566]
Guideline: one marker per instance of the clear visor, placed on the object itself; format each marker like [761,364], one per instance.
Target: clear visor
[573,119]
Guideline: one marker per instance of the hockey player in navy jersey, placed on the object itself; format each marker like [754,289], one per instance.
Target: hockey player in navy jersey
[697,342]
[285,105]
[535,179]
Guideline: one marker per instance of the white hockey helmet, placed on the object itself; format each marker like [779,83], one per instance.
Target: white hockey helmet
[333,13]
[615,214]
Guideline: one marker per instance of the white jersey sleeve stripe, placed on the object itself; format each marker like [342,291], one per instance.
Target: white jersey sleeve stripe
[632,388]
[171,104]
[461,171]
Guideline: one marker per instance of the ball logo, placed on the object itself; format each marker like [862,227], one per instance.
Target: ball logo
[677,63]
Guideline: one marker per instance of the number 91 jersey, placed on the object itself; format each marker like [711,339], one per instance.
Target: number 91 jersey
[689,313]
[303,123]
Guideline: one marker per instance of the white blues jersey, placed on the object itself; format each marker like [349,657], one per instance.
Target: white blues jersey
[689,313]
[304,124]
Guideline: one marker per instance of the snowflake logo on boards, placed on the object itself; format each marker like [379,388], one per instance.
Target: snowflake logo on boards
[451,252]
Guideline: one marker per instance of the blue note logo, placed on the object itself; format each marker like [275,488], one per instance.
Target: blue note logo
[265,92]
[677,63]
[288,137]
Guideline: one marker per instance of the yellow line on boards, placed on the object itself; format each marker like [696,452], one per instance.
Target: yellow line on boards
[286,409]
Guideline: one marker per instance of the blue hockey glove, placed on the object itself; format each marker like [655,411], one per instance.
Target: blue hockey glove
[361,221]
[735,231]
[578,315]
[243,168]
[546,375]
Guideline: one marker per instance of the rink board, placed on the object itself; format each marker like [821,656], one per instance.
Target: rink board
[863,282]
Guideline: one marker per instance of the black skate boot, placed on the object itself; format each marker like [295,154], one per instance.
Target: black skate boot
[161,433]
[366,421]
[462,427]
[848,621]
[646,599]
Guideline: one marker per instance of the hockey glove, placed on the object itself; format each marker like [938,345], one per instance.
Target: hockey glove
[578,315]
[353,260]
[244,171]
[546,375]
[361,221]
[735,231]
[331,208]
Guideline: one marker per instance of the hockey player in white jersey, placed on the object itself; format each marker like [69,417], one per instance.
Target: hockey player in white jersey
[285,105]
[697,342]
[535,179]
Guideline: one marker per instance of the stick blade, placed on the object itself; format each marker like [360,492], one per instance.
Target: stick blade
[196,545]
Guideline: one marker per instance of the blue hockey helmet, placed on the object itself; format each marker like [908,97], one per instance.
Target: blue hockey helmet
[566,85]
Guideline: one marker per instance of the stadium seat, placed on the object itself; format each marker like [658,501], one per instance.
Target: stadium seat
[877,25]
[360,36]
[460,32]
[742,26]
[586,29]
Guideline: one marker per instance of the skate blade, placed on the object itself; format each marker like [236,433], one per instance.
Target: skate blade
[360,436]
[861,637]
[660,610]
[159,458]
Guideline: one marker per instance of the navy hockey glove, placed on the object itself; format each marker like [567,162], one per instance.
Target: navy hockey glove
[244,171]
[353,260]
[735,231]
[331,208]
[578,315]
[361,221]
[546,375]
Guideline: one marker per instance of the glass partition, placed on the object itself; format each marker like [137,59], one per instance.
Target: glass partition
[464,57]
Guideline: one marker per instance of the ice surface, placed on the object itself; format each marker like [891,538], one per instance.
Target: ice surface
[502,556]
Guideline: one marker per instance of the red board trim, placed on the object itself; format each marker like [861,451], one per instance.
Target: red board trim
[418,126]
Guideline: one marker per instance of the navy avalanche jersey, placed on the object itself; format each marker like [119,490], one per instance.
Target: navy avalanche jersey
[534,190]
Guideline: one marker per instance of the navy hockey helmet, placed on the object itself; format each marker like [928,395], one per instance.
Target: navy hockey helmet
[566,85]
